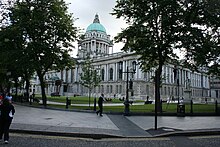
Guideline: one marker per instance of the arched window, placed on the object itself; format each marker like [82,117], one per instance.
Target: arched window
[111,74]
[120,69]
[103,74]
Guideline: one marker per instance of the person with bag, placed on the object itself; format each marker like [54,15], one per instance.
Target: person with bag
[7,112]
[100,103]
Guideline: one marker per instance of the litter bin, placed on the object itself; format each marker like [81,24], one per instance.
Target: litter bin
[180,110]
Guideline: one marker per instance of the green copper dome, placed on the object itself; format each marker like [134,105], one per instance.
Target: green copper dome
[96,26]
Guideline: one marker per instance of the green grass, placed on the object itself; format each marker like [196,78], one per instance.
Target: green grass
[172,108]
[167,108]
[209,108]
[81,100]
[197,108]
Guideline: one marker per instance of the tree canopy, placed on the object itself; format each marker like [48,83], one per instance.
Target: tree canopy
[47,32]
[157,28]
[89,77]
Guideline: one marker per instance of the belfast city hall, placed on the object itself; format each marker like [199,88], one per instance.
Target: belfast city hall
[118,69]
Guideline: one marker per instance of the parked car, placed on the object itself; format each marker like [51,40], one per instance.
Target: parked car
[54,94]
[148,102]
[76,95]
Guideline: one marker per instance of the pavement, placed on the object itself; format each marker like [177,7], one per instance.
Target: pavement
[87,124]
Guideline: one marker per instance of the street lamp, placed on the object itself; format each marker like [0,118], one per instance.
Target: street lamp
[133,71]
[176,80]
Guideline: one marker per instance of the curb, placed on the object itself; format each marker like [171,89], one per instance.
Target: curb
[101,136]
[122,113]
[190,133]
[78,135]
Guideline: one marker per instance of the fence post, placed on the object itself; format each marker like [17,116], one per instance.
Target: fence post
[161,106]
[191,104]
[67,99]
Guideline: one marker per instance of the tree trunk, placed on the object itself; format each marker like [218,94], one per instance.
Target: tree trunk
[27,80]
[89,96]
[42,84]
[157,91]
[27,89]
[158,107]
[16,88]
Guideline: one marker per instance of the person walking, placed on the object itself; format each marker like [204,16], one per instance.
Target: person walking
[1,98]
[100,103]
[7,112]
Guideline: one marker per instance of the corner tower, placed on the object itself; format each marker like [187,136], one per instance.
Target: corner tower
[95,42]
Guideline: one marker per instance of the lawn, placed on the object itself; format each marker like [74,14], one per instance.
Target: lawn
[172,108]
[80,99]
[167,108]
[62,99]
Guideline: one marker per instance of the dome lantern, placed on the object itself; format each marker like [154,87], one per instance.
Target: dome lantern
[96,26]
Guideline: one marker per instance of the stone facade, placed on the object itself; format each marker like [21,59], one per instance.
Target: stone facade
[97,44]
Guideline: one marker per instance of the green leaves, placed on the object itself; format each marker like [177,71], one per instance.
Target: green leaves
[42,32]
[89,76]
[156,28]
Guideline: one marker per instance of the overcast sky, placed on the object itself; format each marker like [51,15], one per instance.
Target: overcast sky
[85,11]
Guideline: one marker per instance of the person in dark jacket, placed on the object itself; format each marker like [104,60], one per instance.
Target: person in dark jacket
[100,103]
[7,111]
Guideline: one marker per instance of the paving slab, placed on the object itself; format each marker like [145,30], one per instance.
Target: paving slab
[83,124]
[181,123]
[127,128]
[36,116]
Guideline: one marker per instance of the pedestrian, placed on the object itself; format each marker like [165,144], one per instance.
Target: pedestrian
[206,100]
[100,103]
[7,112]
[1,99]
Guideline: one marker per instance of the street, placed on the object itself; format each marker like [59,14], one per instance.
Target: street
[27,140]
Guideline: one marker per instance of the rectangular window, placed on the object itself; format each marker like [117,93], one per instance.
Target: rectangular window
[120,70]
[169,91]
[102,88]
[120,89]
[99,89]
[148,90]
[107,88]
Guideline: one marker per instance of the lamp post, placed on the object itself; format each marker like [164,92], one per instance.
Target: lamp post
[178,86]
[127,102]
[176,79]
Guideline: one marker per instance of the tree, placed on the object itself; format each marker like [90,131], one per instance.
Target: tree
[158,27]
[8,48]
[89,76]
[48,31]
[204,49]
[14,48]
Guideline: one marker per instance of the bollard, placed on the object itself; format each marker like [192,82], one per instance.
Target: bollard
[191,104]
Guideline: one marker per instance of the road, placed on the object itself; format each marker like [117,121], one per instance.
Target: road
[27,140]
